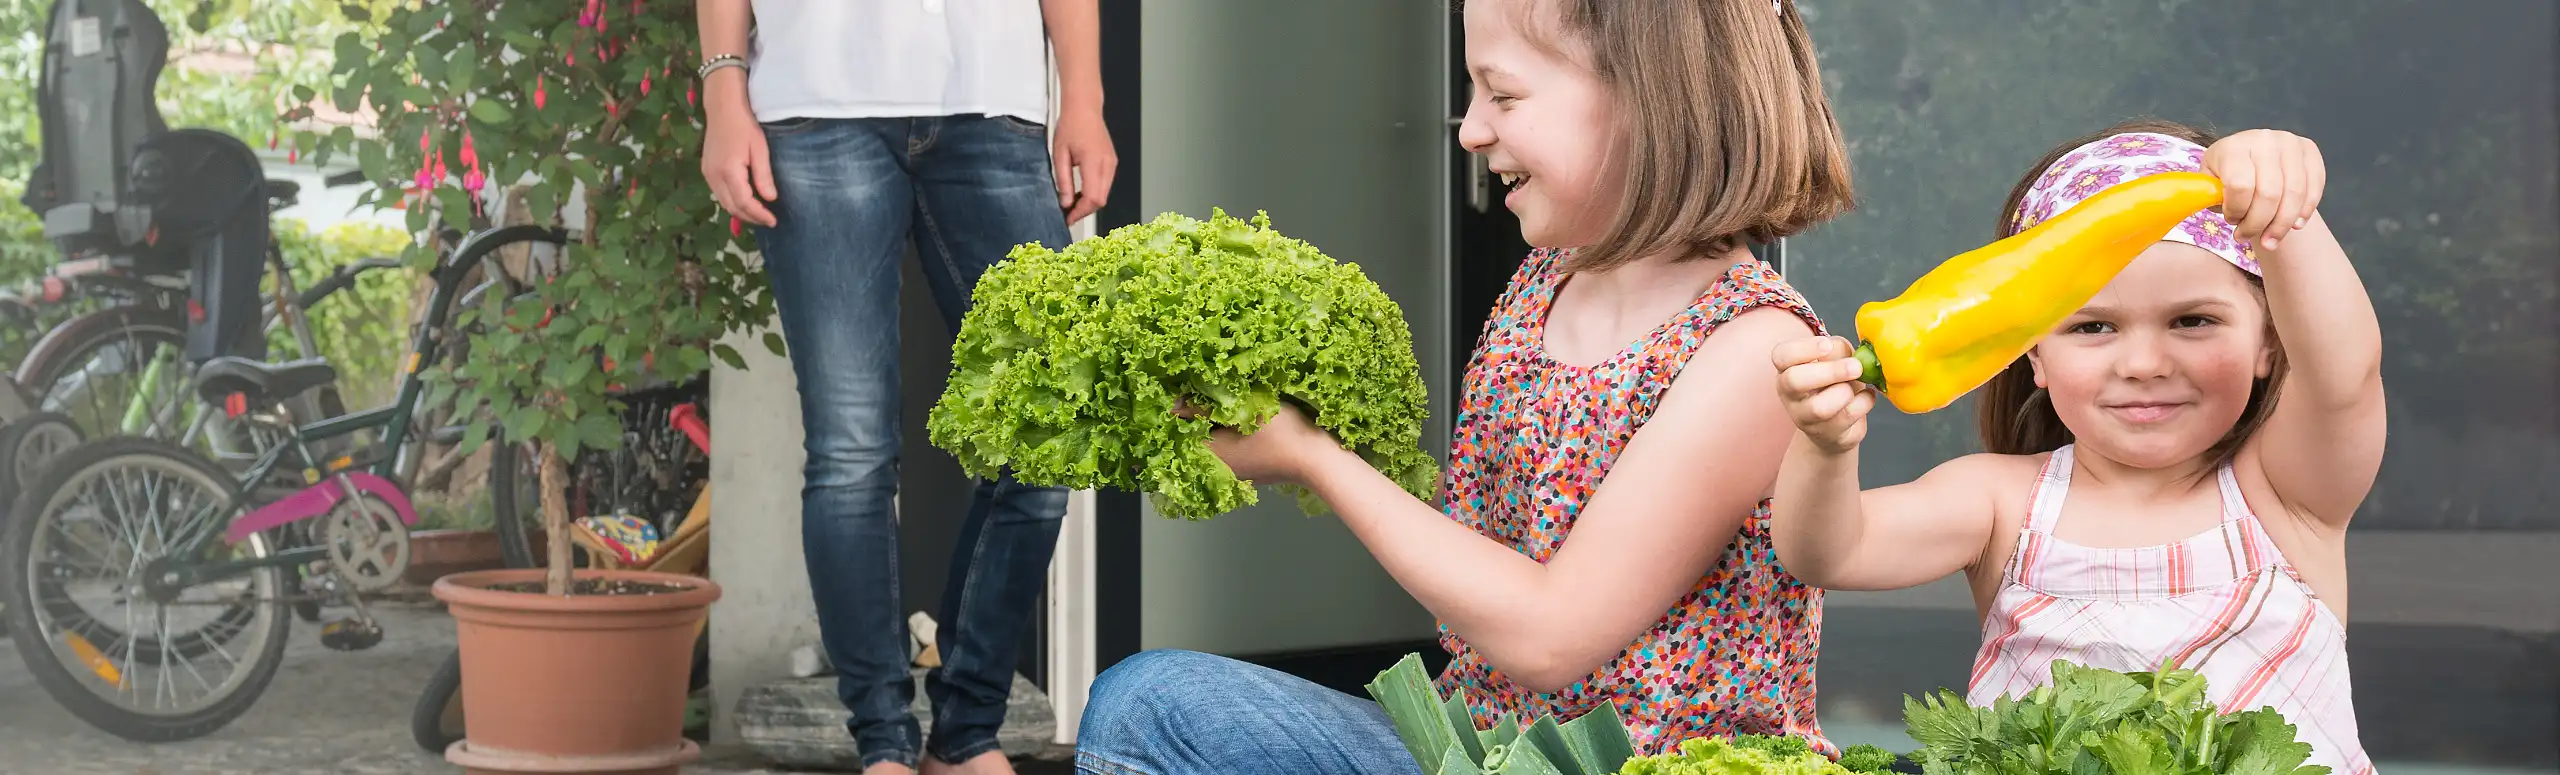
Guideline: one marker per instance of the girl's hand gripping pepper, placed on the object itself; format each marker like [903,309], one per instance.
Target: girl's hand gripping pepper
[1960,324]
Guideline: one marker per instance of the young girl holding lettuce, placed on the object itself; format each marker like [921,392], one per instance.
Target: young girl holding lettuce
[1605,536]
[2168,474]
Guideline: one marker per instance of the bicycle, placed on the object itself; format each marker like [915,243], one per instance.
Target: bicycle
[140,334]
[192,526]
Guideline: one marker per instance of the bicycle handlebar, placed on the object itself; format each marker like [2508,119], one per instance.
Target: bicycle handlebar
[339,279]
[478,245]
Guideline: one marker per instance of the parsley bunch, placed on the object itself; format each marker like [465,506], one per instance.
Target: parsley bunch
[1071,365]
[2089,721]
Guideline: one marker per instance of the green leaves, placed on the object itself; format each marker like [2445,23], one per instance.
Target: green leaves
[1070,365]
[2089,721]
[491,112]
[476,99]
[1442,736]
[1428,730]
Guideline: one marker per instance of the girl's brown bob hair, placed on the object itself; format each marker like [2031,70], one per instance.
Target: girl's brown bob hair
[1724,131]
[2016,418]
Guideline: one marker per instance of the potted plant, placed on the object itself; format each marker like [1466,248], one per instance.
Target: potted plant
[585,108]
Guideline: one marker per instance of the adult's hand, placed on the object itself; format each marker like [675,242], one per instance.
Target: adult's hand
[1083,145]
[734,158]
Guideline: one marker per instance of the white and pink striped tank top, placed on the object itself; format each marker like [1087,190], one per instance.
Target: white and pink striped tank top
[2223,603]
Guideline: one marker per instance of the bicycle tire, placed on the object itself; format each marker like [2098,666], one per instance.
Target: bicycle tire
[32,510]
[19,466]
[14,452]
[45,357]
[13,474]
[53,356]
[435,723]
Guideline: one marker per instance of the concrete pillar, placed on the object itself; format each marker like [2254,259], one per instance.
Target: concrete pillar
[764,610]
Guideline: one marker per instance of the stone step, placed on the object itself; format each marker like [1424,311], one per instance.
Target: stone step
[799,723]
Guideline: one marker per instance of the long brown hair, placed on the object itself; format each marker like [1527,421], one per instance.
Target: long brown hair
[1723,125]
[2017,418]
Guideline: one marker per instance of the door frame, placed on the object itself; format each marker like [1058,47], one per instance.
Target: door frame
[1091,618]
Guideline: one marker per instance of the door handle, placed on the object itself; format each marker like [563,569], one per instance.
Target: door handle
[1479,176]
[1479,183]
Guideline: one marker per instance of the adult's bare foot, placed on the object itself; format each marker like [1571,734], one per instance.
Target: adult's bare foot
[989,763]
[890,768]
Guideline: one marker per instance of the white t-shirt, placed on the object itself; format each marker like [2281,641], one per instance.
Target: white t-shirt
[898,58]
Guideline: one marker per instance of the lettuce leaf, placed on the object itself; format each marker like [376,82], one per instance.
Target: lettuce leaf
[1748,755]
[1070,365]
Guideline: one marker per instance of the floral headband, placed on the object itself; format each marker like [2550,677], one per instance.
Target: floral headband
[2091,168]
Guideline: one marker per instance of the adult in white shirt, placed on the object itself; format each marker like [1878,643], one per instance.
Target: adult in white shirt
[848,129]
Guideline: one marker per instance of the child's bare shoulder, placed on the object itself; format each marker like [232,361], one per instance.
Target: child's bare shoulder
[2001,474]
[1759,328]
[2007,483]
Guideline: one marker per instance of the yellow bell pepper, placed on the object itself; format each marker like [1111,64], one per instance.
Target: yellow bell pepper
[1960,324]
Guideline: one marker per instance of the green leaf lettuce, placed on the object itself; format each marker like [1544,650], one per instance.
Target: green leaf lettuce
[1070,365]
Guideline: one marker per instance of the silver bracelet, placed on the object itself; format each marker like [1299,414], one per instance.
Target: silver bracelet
[715,63]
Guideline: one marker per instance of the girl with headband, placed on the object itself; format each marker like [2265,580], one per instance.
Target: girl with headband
[2168,475]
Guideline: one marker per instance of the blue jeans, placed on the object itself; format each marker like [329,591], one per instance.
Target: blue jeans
[853,192]
[1186,713]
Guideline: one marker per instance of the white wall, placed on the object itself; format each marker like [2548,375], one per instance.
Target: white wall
[764,610]
[322,207]
[1329,114]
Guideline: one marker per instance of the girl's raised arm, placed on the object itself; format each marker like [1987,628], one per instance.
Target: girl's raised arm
[2322,446]
[1830,534]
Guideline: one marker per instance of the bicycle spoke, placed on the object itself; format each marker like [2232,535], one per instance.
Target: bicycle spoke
[104,556]
[199,675]
[198,524]
[125,679]
[162,681]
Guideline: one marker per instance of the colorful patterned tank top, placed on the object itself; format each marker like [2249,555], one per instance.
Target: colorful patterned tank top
[1533,439]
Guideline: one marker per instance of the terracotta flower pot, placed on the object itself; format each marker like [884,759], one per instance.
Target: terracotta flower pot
[576,684]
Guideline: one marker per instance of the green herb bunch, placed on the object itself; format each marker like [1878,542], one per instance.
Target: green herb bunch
[2089,721]
[1107,364]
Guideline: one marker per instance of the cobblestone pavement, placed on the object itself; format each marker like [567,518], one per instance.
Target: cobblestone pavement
[328,713]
